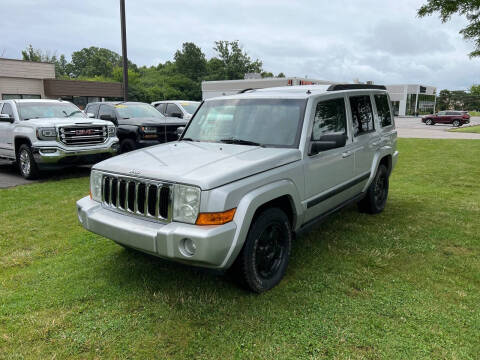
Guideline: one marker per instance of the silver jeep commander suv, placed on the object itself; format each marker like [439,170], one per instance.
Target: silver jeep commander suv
[249,171]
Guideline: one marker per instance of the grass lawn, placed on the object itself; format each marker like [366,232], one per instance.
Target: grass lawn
[468,129]
[404,284]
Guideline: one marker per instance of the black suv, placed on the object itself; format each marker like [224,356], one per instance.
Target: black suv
[138,124]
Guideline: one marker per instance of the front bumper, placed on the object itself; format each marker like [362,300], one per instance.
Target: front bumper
[164,240]
[51,155]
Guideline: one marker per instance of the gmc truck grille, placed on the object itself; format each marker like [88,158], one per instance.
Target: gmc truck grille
[135,196]
[83,135]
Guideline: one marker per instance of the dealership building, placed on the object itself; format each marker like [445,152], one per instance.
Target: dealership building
[229,87]
[407,99]
[36,80]
[412,99]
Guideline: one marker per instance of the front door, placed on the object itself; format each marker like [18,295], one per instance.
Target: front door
[328,172]
[6,132]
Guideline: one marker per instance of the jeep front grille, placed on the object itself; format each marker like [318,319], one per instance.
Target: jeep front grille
[139,197]
[83,135]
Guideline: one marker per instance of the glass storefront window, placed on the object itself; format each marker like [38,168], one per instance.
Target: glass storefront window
[426,104]
[411,102]
[20,96]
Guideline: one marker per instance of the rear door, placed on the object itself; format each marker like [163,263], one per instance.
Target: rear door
[442,117]
[328,173]
[366,140]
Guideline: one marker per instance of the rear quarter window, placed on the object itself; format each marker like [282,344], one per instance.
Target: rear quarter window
[383,110]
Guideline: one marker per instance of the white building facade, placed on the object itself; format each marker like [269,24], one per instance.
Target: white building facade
[412,99]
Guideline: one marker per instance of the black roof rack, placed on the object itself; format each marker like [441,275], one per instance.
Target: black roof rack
[338,87]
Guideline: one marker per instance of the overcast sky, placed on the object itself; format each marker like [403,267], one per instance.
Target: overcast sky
[339,40]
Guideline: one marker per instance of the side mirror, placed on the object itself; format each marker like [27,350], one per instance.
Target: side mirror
[6,118]
[177,115]
[90,115]
[106,117]
[327,142]
[180,131]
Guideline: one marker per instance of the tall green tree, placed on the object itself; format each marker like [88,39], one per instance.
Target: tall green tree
[94,61]
[236,62]
[37,55]
[470,9]
[191,61]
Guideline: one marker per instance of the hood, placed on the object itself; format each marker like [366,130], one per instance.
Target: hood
[152,121]
[207,165]
[56,122]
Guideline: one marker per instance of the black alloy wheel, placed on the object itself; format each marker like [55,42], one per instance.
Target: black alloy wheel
[263,261]
[270,251]
[376,197]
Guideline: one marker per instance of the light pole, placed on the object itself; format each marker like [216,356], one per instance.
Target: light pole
[124,50]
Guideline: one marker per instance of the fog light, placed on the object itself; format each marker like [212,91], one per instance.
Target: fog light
[49,151]
[188,247]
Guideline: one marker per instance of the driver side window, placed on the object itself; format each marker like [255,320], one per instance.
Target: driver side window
[330,119]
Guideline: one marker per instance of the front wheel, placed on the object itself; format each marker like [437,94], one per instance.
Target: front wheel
[429,122]
[263,261]
[26,163]
[127,145]
[376,198]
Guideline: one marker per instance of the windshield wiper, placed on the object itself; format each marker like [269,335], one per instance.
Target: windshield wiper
[72,113]
[34,117]
[190,139]
[240,142]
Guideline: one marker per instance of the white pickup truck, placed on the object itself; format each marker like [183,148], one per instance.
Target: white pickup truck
[44,134]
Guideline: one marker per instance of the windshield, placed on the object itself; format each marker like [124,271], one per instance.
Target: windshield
[190,106]
[38,110]
[127,111]
[266,122]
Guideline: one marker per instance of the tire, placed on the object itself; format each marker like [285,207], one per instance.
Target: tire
[263,261]
[26,163]
[456,123]
[376,198]
[429,122]
[127,145]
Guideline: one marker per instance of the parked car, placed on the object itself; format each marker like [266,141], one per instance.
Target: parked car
[138,124]
[249,172]
[177,108]
[456,118]
[45,134]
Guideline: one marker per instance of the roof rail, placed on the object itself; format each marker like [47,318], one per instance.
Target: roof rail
[338,87]
[245,90]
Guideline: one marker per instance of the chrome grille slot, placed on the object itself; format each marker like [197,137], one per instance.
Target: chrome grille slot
[83,135]
[137,196]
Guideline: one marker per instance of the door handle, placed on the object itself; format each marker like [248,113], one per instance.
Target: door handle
[347,154]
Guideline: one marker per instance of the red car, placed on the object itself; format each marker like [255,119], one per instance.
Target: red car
[456,118]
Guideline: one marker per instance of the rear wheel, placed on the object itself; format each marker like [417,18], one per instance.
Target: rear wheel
[263,261]
[456,123]
[127,145]
[376,198]
[26,163]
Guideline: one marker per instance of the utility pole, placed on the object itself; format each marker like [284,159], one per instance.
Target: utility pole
[124,50]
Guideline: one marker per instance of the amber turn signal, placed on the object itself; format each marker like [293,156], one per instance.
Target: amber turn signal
[217,218]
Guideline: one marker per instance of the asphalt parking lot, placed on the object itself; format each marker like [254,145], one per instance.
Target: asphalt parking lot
[414,128]
[10,177]
[407,128]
